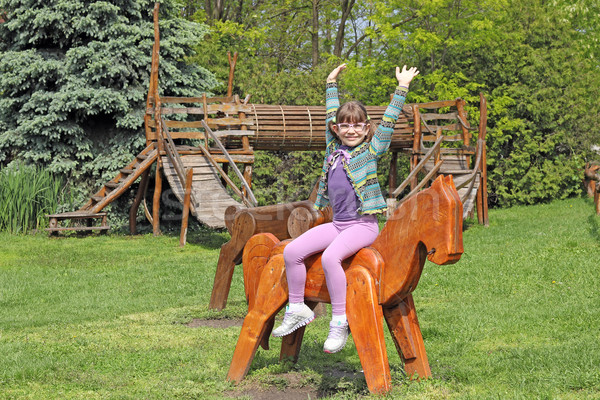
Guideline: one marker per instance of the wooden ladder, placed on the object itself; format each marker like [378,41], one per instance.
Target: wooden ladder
[109,192]
[114,188]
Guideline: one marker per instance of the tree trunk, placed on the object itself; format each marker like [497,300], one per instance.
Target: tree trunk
[339,39]
[315,33]
[214,9]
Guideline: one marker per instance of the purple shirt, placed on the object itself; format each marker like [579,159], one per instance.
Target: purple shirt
[342,197]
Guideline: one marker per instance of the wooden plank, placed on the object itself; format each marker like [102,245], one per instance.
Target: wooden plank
[447,138]
[228,121]
[211,109]
[234,132]
[213,122]
[433,116]
[437,104]
[76,215]
[172,99]
[78,228]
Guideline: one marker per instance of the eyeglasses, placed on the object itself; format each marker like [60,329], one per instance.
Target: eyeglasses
[358,127]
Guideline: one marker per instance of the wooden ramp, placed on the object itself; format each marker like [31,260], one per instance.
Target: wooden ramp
[209,196]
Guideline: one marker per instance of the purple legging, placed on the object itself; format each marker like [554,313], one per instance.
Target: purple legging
[340,240]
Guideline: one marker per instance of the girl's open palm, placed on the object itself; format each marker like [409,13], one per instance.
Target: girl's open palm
[406,75]
[333,74]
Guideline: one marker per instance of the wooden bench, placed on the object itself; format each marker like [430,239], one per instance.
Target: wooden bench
[54,227]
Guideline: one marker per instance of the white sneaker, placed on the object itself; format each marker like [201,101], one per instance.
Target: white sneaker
[338,335]
[294,320]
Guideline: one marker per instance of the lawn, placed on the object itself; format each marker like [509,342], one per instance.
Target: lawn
[109,317]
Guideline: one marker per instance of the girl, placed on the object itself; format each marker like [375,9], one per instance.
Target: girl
[349,183]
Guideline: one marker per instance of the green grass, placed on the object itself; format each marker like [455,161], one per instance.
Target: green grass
[105,317]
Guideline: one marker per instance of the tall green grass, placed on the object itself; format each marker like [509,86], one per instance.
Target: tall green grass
[27,193]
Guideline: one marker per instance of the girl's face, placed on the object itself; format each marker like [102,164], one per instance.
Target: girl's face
[352,133]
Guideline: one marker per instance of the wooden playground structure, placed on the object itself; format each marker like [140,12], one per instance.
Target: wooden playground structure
[222,133]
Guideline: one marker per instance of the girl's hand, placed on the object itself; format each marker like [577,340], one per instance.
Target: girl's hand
[333,74]
[406,75]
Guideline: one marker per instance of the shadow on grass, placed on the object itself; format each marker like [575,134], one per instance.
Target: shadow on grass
[594,228]
[208,238]
[593,220]
[204,236]
[324,375]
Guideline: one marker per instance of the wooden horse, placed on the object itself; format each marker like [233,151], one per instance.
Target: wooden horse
[380,280]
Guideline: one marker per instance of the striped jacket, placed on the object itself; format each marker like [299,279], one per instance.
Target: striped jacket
[362,166]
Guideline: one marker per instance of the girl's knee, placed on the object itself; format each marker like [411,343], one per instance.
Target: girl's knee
[292,254]
[330,260]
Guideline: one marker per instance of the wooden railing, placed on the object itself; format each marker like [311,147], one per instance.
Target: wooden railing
[433,151]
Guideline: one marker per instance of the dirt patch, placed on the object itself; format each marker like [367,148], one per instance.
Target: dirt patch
[215,323]
[294,388]
[276,394]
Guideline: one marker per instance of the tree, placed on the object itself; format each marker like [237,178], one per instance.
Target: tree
[74,78]
[537,62]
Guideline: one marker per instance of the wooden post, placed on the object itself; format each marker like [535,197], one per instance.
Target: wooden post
[416,143]
[231,72]
[460,107]
[158,178]
[393,172]
[483,165]
[136,203]
[205,108]
[153,86]
[186,207]
[156,199]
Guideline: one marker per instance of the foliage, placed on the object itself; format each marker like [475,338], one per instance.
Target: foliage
[27,194]
[537,63]
[74,78]
[107,317]
[540,106]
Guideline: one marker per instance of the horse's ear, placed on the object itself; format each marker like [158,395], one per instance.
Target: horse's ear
[439,181]
[448,180]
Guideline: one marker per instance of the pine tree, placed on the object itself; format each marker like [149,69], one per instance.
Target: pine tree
[74,78]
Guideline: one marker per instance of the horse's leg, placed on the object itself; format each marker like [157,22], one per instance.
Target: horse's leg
[365,320]
[230,251]
[290,345]
[404,327]
[271,296]
[242,229]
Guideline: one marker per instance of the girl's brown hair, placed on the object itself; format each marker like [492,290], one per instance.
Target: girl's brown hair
[353,112]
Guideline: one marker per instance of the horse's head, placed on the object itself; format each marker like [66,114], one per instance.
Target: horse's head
[440,214]
[433,218]
[428,224]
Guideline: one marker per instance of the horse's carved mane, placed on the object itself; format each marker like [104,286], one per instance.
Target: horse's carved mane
[428,225]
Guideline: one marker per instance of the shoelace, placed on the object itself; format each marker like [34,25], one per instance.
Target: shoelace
[337,331]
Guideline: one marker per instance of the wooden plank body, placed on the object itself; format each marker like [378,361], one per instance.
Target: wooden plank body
[380,280]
